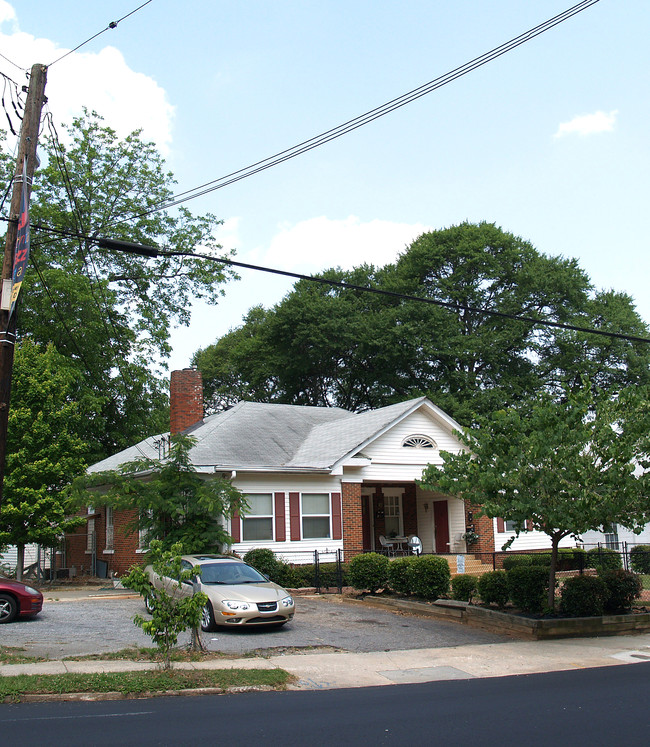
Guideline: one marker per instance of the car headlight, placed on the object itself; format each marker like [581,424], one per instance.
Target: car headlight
[30,590]
[287,602]
[233,605]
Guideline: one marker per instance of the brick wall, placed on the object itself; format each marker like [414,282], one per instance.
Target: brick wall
[482,526]
[185,399]
[352,519]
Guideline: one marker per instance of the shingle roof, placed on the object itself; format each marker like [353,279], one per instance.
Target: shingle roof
[256,435]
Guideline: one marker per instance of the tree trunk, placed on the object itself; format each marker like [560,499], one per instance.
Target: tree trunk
[555,541]
[20,562]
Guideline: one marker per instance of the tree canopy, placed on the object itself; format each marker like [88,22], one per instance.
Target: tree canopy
[44,450]
[110,313]
[569,465]
[326,345]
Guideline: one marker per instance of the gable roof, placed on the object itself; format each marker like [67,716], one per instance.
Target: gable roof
[274,437]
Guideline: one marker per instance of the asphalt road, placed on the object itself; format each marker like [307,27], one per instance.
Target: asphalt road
[606,706]
[70,628]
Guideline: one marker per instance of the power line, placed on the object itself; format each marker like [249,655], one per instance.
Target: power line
[155,252]
[111,25]
[369,116]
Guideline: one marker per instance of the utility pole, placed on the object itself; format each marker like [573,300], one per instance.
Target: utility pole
[26,149]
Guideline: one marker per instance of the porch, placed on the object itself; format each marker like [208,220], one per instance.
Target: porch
[398,510]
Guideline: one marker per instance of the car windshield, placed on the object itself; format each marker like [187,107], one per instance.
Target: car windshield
[230,573]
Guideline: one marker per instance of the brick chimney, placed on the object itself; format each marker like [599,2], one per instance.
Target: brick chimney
[185,399]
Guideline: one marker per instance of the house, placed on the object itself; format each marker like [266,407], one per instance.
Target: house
[316,478]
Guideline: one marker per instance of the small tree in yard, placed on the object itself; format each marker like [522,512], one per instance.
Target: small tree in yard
[171,612]
[175,504]
[565,468]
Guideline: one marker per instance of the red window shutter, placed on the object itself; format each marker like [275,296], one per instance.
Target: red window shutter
[529,525]
[501,525]
[235,528]
[280,516]
[294,516]
[337,527]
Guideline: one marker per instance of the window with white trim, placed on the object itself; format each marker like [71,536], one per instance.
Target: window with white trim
[316,516]
[257,523]
[393,515]
[418,441]
[110,531]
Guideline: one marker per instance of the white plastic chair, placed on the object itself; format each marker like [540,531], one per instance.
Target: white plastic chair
[415,544]
[388,548]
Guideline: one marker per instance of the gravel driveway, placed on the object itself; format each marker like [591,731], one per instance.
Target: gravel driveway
[69,628]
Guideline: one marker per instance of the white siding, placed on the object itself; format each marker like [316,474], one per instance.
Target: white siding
[392,461]
[527,540]
[10,556]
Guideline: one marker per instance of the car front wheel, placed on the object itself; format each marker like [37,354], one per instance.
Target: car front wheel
[8,608]
[207,618]
[148,604]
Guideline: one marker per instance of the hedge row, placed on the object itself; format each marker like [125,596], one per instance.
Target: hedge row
[427,576]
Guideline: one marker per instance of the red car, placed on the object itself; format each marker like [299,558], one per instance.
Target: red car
[18,600]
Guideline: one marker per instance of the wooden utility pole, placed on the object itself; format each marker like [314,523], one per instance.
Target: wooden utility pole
[26,149]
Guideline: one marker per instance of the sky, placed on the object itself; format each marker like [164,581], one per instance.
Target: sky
[549,141]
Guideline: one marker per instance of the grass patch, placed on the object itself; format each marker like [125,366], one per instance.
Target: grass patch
[138,683]
[11,655]
[645,580]
[144,653]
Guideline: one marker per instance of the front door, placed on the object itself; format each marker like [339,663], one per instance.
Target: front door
[441,526]
[366,523]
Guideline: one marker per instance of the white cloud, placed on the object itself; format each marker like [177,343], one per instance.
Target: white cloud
[97,80]
[319,243]
[588,124]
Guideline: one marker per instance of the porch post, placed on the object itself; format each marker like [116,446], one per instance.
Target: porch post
[352,519]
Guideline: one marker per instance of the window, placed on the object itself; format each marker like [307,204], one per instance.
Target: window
[419,442]
[510,526]
[316,516]
[109,528]
[143,531]
[393,515]
[257,524]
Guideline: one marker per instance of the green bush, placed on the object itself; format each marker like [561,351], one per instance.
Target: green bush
[583,596]
[493,588]
[640,558]
[528,587]
[264,560]
[368,571]
[517,560]
[463,587]
[429,576]
[623,587]
[398,575]
[603,559]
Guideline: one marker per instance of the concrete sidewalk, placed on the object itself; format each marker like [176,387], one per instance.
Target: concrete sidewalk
[319,671]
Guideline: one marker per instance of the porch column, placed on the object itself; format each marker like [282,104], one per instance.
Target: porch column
[483,526]
[352,519]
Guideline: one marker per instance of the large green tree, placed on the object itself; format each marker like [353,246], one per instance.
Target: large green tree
[108,312]
[326,345]
[44,450]
[571,464]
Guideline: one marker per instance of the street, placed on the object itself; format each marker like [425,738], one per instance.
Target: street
[601,706]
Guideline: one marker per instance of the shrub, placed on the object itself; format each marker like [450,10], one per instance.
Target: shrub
[583,596]
[623,588]
[603,559]
[368,571]
[517,560]
[493,588]
[528,587]
[429,576]
[398,575]
[463,587]
[640,558]
[264,560]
